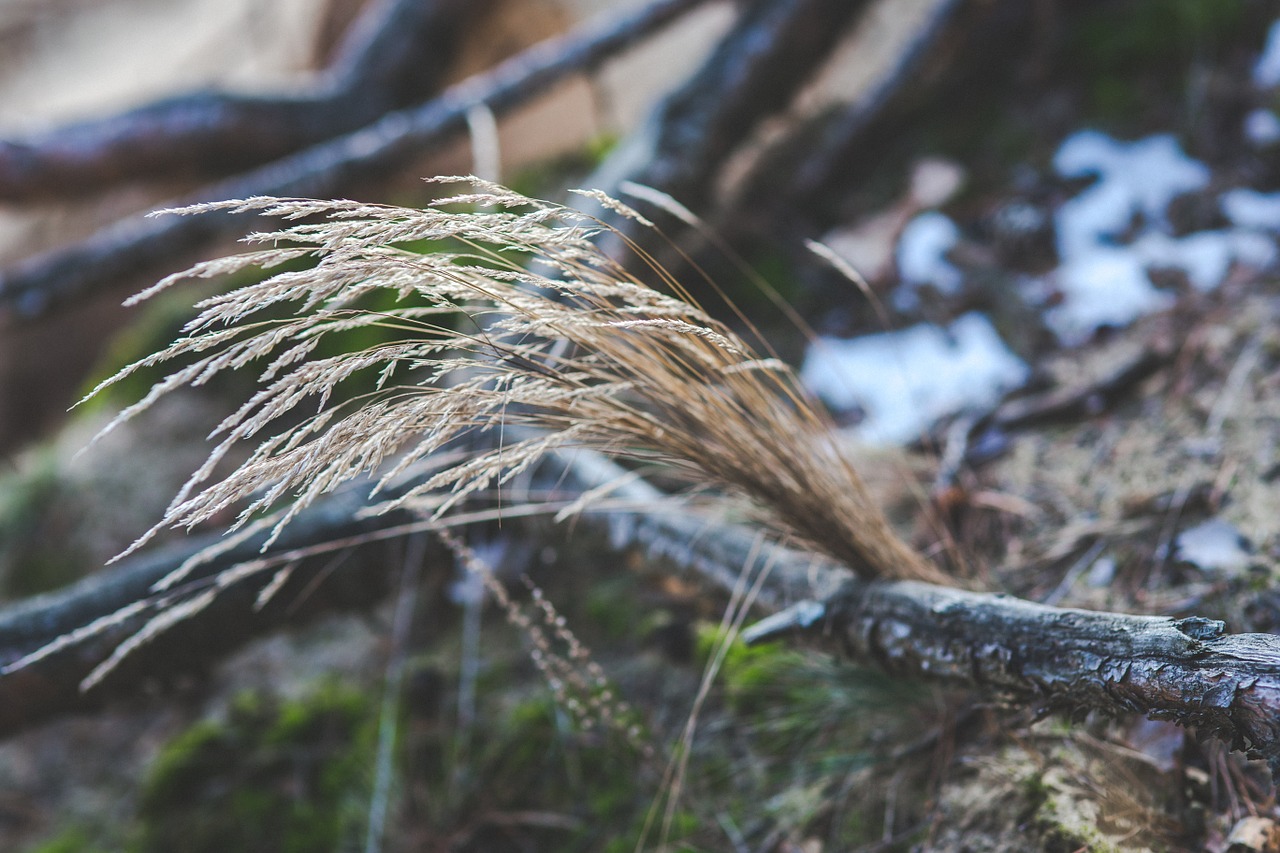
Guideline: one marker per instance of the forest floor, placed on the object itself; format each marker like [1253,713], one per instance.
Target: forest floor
[1104,236]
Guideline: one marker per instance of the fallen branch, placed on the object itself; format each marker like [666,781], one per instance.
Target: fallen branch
[1010,651]
[845,146]
[791,188]
[395,55]
[962,47]
[1056,660]
[755,71]
[1073,404]
[1018,653]
[124,595]
[118,256]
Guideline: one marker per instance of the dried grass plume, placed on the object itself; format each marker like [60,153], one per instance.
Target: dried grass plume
[519,320]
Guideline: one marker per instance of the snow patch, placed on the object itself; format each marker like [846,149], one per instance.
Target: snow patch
[1107,286]
[906,380]
[1205,256]
[1252,209]
[1103,282]
[922,257]
[1214,546]
[1262,128]
[1142,176]
[1266,71]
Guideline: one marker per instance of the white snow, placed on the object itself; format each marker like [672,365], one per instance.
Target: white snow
[1142,176]
[921,257]
[1215,546]
[1252,209]
[1262,128]
[1106,286]
[906,380]
[1266,71]
[1092,218]
[1105,283]
[1205,256]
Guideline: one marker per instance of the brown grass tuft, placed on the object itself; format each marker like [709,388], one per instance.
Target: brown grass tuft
[522,322]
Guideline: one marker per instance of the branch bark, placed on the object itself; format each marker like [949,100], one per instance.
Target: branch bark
[962,46]
[1052,660]
[801,187]
[755,71]
[1049,659]
[395,55]
[51,686]
[1055,660]
[118,255]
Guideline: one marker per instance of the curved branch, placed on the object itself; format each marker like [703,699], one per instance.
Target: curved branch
[755,70]
[1053,660]
[863,120]
[115,256]
[396,54]
[52,685]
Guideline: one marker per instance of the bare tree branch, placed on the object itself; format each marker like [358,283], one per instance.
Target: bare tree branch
[117,256]
[845,145]
[756,70]
[1048,659]
[395,55]
[1055,660]
[1051,660]
[1010,651]
[51,685]
[800,188]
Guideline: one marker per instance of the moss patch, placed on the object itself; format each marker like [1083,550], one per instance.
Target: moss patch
[285,776]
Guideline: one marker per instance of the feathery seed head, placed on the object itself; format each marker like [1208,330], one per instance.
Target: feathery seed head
[522,322]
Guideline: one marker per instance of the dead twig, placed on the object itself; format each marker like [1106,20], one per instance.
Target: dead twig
[121,254]
[395,55]
[1050,659]
[1073,404]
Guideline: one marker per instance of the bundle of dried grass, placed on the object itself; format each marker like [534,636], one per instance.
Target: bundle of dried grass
[520,321]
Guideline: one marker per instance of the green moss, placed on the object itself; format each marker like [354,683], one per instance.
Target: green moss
[611,608]
[1129,49]
[1133,35]
[767,676]
[1069,818]
[531,758]
[591,774]
[39,550]
[284,777]
[793,726]
[549,177]
[74,839]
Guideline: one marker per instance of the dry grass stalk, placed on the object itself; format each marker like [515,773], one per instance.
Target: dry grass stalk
[523,321]
[576,680]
